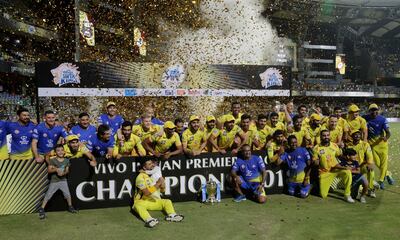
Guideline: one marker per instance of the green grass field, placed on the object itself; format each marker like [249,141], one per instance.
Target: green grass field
[282,217]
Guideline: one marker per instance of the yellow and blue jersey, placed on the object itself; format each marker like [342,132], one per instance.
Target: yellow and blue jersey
[3,141]
[21,139]
[250,170]
[376,127]
[47,137]
[98,147]
[297,162]
[114,123]
[83,134]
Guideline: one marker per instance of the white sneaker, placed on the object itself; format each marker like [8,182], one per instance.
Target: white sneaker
[371,193]
[151,223]
[349,199]
[174,218]
[376,185]
[358,196]
[362,199]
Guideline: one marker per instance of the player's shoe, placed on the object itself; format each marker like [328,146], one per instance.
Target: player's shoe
[371,193]
[390,180]
[151,223]
[174,218]
[349,199]
[71,209]
[381,185]
[362,199]
[42,214]
[240,198]
[376,185]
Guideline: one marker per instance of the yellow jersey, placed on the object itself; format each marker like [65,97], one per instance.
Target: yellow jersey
[193,140]
[364,152]
[131,147]
[82,149]
[327,156]
[278,126]
[358,123]
[140,132]
[300,136]
[211,132]
[226,138]
[314,134]
[343,124]
[272,149]
[142,182]
[335,134]
[163,144]
[263,135]
[252,135]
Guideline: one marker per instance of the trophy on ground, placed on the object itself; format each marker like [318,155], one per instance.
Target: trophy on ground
[211,192]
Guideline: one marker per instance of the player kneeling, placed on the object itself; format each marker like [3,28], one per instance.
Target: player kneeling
[298,162]
[147,197]
[248,175]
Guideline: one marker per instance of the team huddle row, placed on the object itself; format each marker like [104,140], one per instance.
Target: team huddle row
[316,149]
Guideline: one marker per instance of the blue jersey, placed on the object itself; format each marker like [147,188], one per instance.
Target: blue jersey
[249,169]
[376,126]
[296,162]
[114,123]
[21,136]
[154,120]
[47,137]
[98,147]
[83,134]
[3,133]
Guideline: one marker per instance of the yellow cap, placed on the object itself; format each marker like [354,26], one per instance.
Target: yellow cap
[111,104]
[194,117]
[373,106]
[315,116]
[354,108]
[210,118]
[229,118]
[354,131]
[169,124]
[70,138]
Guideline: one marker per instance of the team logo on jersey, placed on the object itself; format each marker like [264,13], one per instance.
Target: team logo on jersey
[24,140]
[16,131]
[44,134]
[243,166]
[98,148]
[322,151]
[271,77]
[66,73]
[162,142]
[191,138]
[173,76]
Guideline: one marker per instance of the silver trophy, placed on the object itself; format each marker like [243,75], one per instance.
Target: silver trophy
[211,189]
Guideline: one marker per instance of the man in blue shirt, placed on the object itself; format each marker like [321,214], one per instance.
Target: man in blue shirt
[102,144]
[378,136]
[21,136]
[111,118]
[84,130]
[46,135]
[298,161]
[150,111]
[248,175]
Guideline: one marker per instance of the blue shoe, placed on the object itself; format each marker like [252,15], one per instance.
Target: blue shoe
[381,185]
[390,180]
[239,198]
